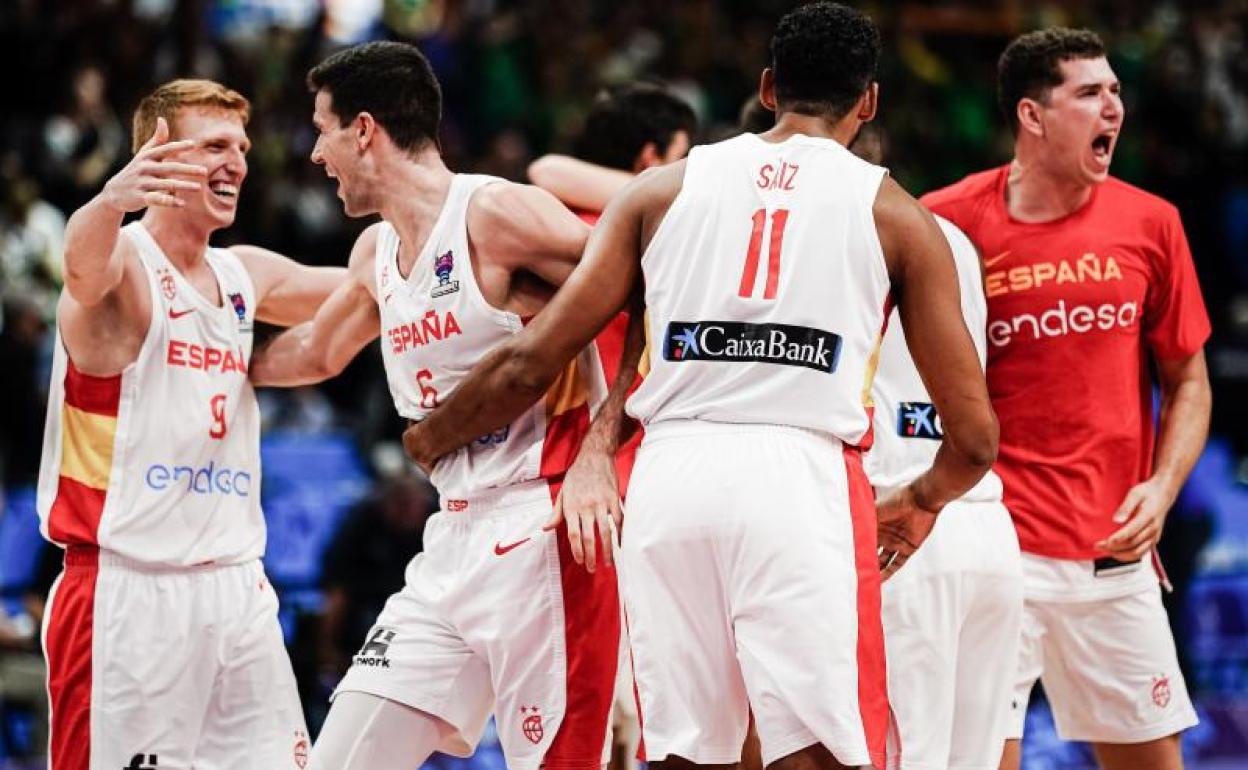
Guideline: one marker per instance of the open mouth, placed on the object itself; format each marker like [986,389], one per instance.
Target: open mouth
[224,191]
[1102,146]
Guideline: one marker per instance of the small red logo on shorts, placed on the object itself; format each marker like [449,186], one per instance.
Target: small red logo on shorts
[1161,691]
[500,549]
[456,506]
[301,750]
[532,724]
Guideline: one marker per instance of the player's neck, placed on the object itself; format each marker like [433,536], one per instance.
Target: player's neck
[793,123]
[412,193]
[1035,193]
[183,241]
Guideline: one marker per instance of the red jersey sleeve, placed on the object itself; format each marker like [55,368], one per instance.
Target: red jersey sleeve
[1176,324]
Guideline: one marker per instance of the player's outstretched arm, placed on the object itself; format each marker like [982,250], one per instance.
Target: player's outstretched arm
[287,292]
[321,348]
[578,183]
[516,374]
[94,258]
[925,284]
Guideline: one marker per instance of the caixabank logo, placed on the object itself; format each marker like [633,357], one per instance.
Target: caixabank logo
[738,342]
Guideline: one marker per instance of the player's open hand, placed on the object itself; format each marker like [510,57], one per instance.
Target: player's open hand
[590,503]
[153,177]
[1143,515]
[902,526]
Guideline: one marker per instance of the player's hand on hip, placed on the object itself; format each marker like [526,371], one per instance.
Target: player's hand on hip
[1144,512]
[589,502]
[153,177]
[901,527]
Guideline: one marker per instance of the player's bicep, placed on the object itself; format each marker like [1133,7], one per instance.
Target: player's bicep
[531,230]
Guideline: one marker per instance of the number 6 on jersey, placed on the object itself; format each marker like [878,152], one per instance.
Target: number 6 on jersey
[779,218]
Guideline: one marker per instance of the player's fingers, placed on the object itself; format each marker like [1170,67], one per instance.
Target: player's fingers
[1125,534]
[556,514]
[168,148]
[169,185]
[1129,505]
[157,198]
[604,536]
[173,167]
[159,136]
[588,539]
[574,537]
[617,515]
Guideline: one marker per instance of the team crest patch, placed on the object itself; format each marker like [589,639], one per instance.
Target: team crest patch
[167,285]
[240,307]
[442,268]
[301,750]
[531,724]
[1161,691]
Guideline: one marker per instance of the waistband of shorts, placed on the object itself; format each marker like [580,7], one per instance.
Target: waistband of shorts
[492,500]
[668,429]
[80,556]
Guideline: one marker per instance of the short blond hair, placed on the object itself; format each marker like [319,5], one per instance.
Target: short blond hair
[167,99]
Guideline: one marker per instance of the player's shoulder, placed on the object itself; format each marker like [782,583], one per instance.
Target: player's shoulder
[970,192]
[1125,198]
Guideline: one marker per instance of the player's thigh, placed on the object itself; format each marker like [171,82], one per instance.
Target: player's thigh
[255,720]
[692,699]
[804,592]
[987,662]
[414,655]
[368,732]
[922,619]
[1111,671]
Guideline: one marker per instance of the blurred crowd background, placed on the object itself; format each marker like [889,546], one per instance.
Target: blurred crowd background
[345,512]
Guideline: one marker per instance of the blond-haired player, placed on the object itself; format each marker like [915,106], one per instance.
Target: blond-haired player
[162,638]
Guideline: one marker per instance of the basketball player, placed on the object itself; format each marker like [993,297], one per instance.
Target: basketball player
[162,638]
[1087,279]
[951,617]
[749,563]
[494,616]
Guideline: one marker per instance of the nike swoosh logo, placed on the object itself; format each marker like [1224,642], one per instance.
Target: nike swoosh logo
[500,549]
[175,314]
[996,259]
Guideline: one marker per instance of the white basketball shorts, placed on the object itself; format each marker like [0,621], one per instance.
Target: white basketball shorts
[749,573]
[496,616]
[1100,641]
[168,667]
[951,628]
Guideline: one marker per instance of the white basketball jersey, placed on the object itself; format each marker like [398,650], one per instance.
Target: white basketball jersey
[766,289]
[907,427]
[436,325]
[161,463]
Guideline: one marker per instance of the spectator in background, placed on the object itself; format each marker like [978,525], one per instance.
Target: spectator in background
[364,564]
[83,144]
[22,670]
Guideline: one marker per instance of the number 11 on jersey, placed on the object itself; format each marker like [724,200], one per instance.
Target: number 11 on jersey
[779,218]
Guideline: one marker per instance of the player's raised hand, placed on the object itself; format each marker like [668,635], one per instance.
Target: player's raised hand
[590,503]
[1144,512]
[902,526]
[151,178]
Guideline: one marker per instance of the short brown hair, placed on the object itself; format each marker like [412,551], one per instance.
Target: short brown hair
[167,99]
[1031,65]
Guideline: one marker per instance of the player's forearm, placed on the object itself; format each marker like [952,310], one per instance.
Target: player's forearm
[1185,411]
[497,391]
[92,266]
[294,357]
[965,455]
[607,431]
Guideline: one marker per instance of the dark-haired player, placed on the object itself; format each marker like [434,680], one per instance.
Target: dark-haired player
[1087,279]
[749,562]
[494,616]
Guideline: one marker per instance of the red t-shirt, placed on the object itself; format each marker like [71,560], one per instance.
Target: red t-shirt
[1074,308]
[610,344]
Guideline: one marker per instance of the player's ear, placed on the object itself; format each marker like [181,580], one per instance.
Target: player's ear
[647,158]
[869,103]
[365,130]
[1028,112]
[767,89]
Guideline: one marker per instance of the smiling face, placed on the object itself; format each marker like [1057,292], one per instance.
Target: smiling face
[221,146]
[1079,121]
[338,150]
